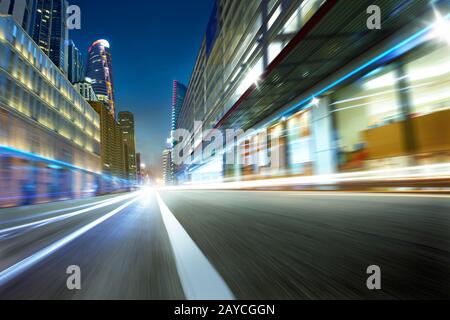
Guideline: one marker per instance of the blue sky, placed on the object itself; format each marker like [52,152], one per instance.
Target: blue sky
[153,43]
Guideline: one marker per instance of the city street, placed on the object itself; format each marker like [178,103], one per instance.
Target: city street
[228,245]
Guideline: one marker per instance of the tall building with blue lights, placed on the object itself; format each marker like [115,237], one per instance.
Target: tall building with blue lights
[75,71]
[99,69]
[178,95]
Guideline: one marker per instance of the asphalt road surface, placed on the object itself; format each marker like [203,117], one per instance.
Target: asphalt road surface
[228,245]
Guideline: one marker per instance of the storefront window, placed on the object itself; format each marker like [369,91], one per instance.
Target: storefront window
[299,137]
[359,109]
[429,78]
[277,149]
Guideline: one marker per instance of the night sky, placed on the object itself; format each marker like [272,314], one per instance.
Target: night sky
[153,42]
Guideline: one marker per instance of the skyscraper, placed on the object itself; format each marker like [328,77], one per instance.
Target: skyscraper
[99,69]
[126,122]
[139,167]
[75,71]
[167,167]
[50,30]
[112,144]
[20,10]
[178,95]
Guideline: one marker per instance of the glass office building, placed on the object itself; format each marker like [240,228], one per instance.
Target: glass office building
[126,124]
[99,70]
[178,95]
[75,64]
[50,30]
[320,90]
[47,128]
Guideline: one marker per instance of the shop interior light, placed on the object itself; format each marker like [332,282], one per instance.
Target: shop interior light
[315,102]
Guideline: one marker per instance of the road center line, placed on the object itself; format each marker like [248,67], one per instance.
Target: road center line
[199,278]
[13,271]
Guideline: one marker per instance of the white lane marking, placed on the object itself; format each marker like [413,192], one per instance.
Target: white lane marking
[40,223]
[45,214]
[199,278]
[13,271]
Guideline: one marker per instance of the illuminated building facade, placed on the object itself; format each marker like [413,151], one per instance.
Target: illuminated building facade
[75,68]
[50,30]
[139,167]
[86,90]
[167,167]
[99,69]
[178,95]
[126,123]
[43,120]
[324,90]
[112,144]
[20,10]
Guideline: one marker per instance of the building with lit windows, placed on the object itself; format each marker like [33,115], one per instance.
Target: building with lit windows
[178,95]
[99,69]
[126,123]
[112,143]
[139,168]
[49,134]
[85,89]
[75,63]
[50,30]
[320,90]
[167,167]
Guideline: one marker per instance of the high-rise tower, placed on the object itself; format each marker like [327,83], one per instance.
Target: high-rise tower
[50,30]
[178,95]
[126,122]
[99,69]
[75,71]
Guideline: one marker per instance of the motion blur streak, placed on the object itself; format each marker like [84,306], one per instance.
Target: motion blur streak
[441,171]
[51,212]
[362,194]
[65,216]
[199,278]
[25,264]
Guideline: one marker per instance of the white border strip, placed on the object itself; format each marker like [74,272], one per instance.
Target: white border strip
[199,278]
